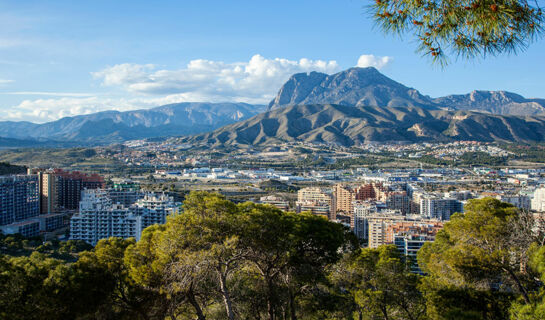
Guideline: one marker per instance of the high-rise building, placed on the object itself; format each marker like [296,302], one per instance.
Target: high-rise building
[19,198]
[398,200]
[362,211]
[519,201]
[99,218]
[538,201]
[316,200]
[344,197]
[61,190]
[377,225]
[410,236]
[438,208]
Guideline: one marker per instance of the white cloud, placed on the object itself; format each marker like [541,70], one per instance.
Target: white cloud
[44,110]
[369,60]
[5,81]
[44,93]
[255,80]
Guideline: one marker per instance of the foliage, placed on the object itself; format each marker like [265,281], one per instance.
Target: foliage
[220,260]
[380,284]
[480,255]
[467,28]
[6,168]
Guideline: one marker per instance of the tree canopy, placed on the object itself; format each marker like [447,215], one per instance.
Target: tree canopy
[465,28]
[220,260]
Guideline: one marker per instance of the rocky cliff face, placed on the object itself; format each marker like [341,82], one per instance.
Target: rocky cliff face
[352,87]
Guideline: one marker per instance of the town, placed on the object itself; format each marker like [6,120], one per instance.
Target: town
[379,202]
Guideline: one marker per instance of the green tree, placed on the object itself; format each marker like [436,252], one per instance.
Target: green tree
[468,28]
[482,256]
[521,310]
[289,253]
[380,284]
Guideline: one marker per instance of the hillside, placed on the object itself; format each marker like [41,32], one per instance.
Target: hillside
[344,125]
[115,126]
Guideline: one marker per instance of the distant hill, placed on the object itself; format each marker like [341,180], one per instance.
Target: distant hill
[352,87]
[344,125]
[115,126]
[500,102]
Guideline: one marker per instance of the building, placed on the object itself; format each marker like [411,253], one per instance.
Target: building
[378,224]
[27,228]
[343,197]
[320,208]
[519,201]
[61,190]
[410,236]
[362,211]
[538,201]
[276,201]
[99,218]
[316,200]
[438,208]
[19,198]
[125,197]
[398,200]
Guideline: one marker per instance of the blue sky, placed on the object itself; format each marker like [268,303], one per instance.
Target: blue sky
[61,58]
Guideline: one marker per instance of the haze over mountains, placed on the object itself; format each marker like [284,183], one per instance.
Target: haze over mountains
[353,106]
[114,126]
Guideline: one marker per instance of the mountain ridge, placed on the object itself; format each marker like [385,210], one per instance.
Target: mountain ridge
[368,87]
[347,126]
[116,126]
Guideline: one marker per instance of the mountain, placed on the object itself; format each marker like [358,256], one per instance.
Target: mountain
[500,102]
[347,126]
[352,87]
[369,87]
[115,126]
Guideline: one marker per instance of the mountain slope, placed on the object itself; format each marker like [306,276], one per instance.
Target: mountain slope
[352,87]
[499,102]
[115,126]
[344,125]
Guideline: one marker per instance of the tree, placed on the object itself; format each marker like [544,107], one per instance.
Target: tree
[380,284]
[481,255]
[521,310]
[289,253]
[467,28]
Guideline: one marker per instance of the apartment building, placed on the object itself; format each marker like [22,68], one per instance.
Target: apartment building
[61,190]
[440,208]
[99,218]
[316,200]
[19,198]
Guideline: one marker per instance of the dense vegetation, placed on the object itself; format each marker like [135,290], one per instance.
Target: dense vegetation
[218,260]
[6,168]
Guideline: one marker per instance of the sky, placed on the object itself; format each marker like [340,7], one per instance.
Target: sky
[64,58]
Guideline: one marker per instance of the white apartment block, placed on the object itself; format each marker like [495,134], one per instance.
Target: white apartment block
[538,201]
[99,218]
